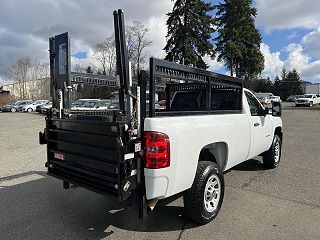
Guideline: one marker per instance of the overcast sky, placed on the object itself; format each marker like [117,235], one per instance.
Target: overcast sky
[290,30]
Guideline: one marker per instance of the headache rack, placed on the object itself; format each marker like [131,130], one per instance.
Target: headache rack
[177,78]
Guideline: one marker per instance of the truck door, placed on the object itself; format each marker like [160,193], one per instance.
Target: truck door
[261,136]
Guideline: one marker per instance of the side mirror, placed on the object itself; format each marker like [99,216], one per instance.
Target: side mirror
[97,106]
[276,109]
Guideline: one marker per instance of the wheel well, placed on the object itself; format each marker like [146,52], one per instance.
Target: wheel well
[278,131]
[215,152]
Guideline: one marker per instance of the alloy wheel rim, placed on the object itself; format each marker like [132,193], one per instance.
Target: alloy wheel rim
[277,152]
[212,193]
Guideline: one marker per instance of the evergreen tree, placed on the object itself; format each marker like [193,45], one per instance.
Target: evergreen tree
[238,41]
[288,84]
[189,32]
[262,85]
[283,74]
[278,87]
[293,82]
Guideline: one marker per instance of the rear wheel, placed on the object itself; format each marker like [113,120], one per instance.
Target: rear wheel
[203,200]
[13,110]
[271,158]
[29,109]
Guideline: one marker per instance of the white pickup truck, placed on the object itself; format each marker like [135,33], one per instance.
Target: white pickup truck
[184,148]
[197,150]
[140,152]
[307,100]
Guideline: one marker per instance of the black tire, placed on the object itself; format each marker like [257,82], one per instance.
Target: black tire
[29,110]
[195,200]
[271,158]
[310,104]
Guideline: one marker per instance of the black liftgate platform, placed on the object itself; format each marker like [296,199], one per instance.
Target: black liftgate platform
[93,149]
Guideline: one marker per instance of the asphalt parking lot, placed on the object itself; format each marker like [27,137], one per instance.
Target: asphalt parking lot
[283,203]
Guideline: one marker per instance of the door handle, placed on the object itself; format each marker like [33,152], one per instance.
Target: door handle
[256,124]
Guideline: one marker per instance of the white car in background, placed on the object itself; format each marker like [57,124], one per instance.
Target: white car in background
[275,99]
[32,107]
[95,105]
[264,98]
[307,100]
[80,103]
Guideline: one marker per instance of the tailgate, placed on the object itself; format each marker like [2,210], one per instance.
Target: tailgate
[90,154]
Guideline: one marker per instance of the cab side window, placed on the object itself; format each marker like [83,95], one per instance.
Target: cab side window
[255,107]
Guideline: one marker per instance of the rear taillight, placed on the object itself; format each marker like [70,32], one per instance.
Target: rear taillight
[157,150]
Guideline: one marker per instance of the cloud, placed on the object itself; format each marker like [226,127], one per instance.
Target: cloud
[213,63]
[296,59]
[286,14]
[312,43]
[272,61]
[309,70]
[293,35]
[299,60]
[25,26]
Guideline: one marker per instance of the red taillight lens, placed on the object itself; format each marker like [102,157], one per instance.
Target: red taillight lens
[157,150]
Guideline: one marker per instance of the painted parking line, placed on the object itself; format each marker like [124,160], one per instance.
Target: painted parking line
[20,180]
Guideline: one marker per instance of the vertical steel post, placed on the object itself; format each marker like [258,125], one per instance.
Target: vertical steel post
[152,88]
[168,99]
[209,90]
[119,60]
[123,49]
[52,55]
[142,84]
[142,81]
[129,98]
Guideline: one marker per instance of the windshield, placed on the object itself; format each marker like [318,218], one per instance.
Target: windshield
[79,103]
[90,104]
[103,104]
[39,102]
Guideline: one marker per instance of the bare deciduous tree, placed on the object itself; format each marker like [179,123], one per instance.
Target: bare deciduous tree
[105,54]
[25,69]
[137,42]
[18,72]
[79,68]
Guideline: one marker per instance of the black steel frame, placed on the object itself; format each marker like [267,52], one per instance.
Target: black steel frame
[192,76]
[122,57]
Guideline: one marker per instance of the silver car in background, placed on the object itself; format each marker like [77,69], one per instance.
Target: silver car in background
[102,104]
[32,107]
[46,107]
[16,106]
